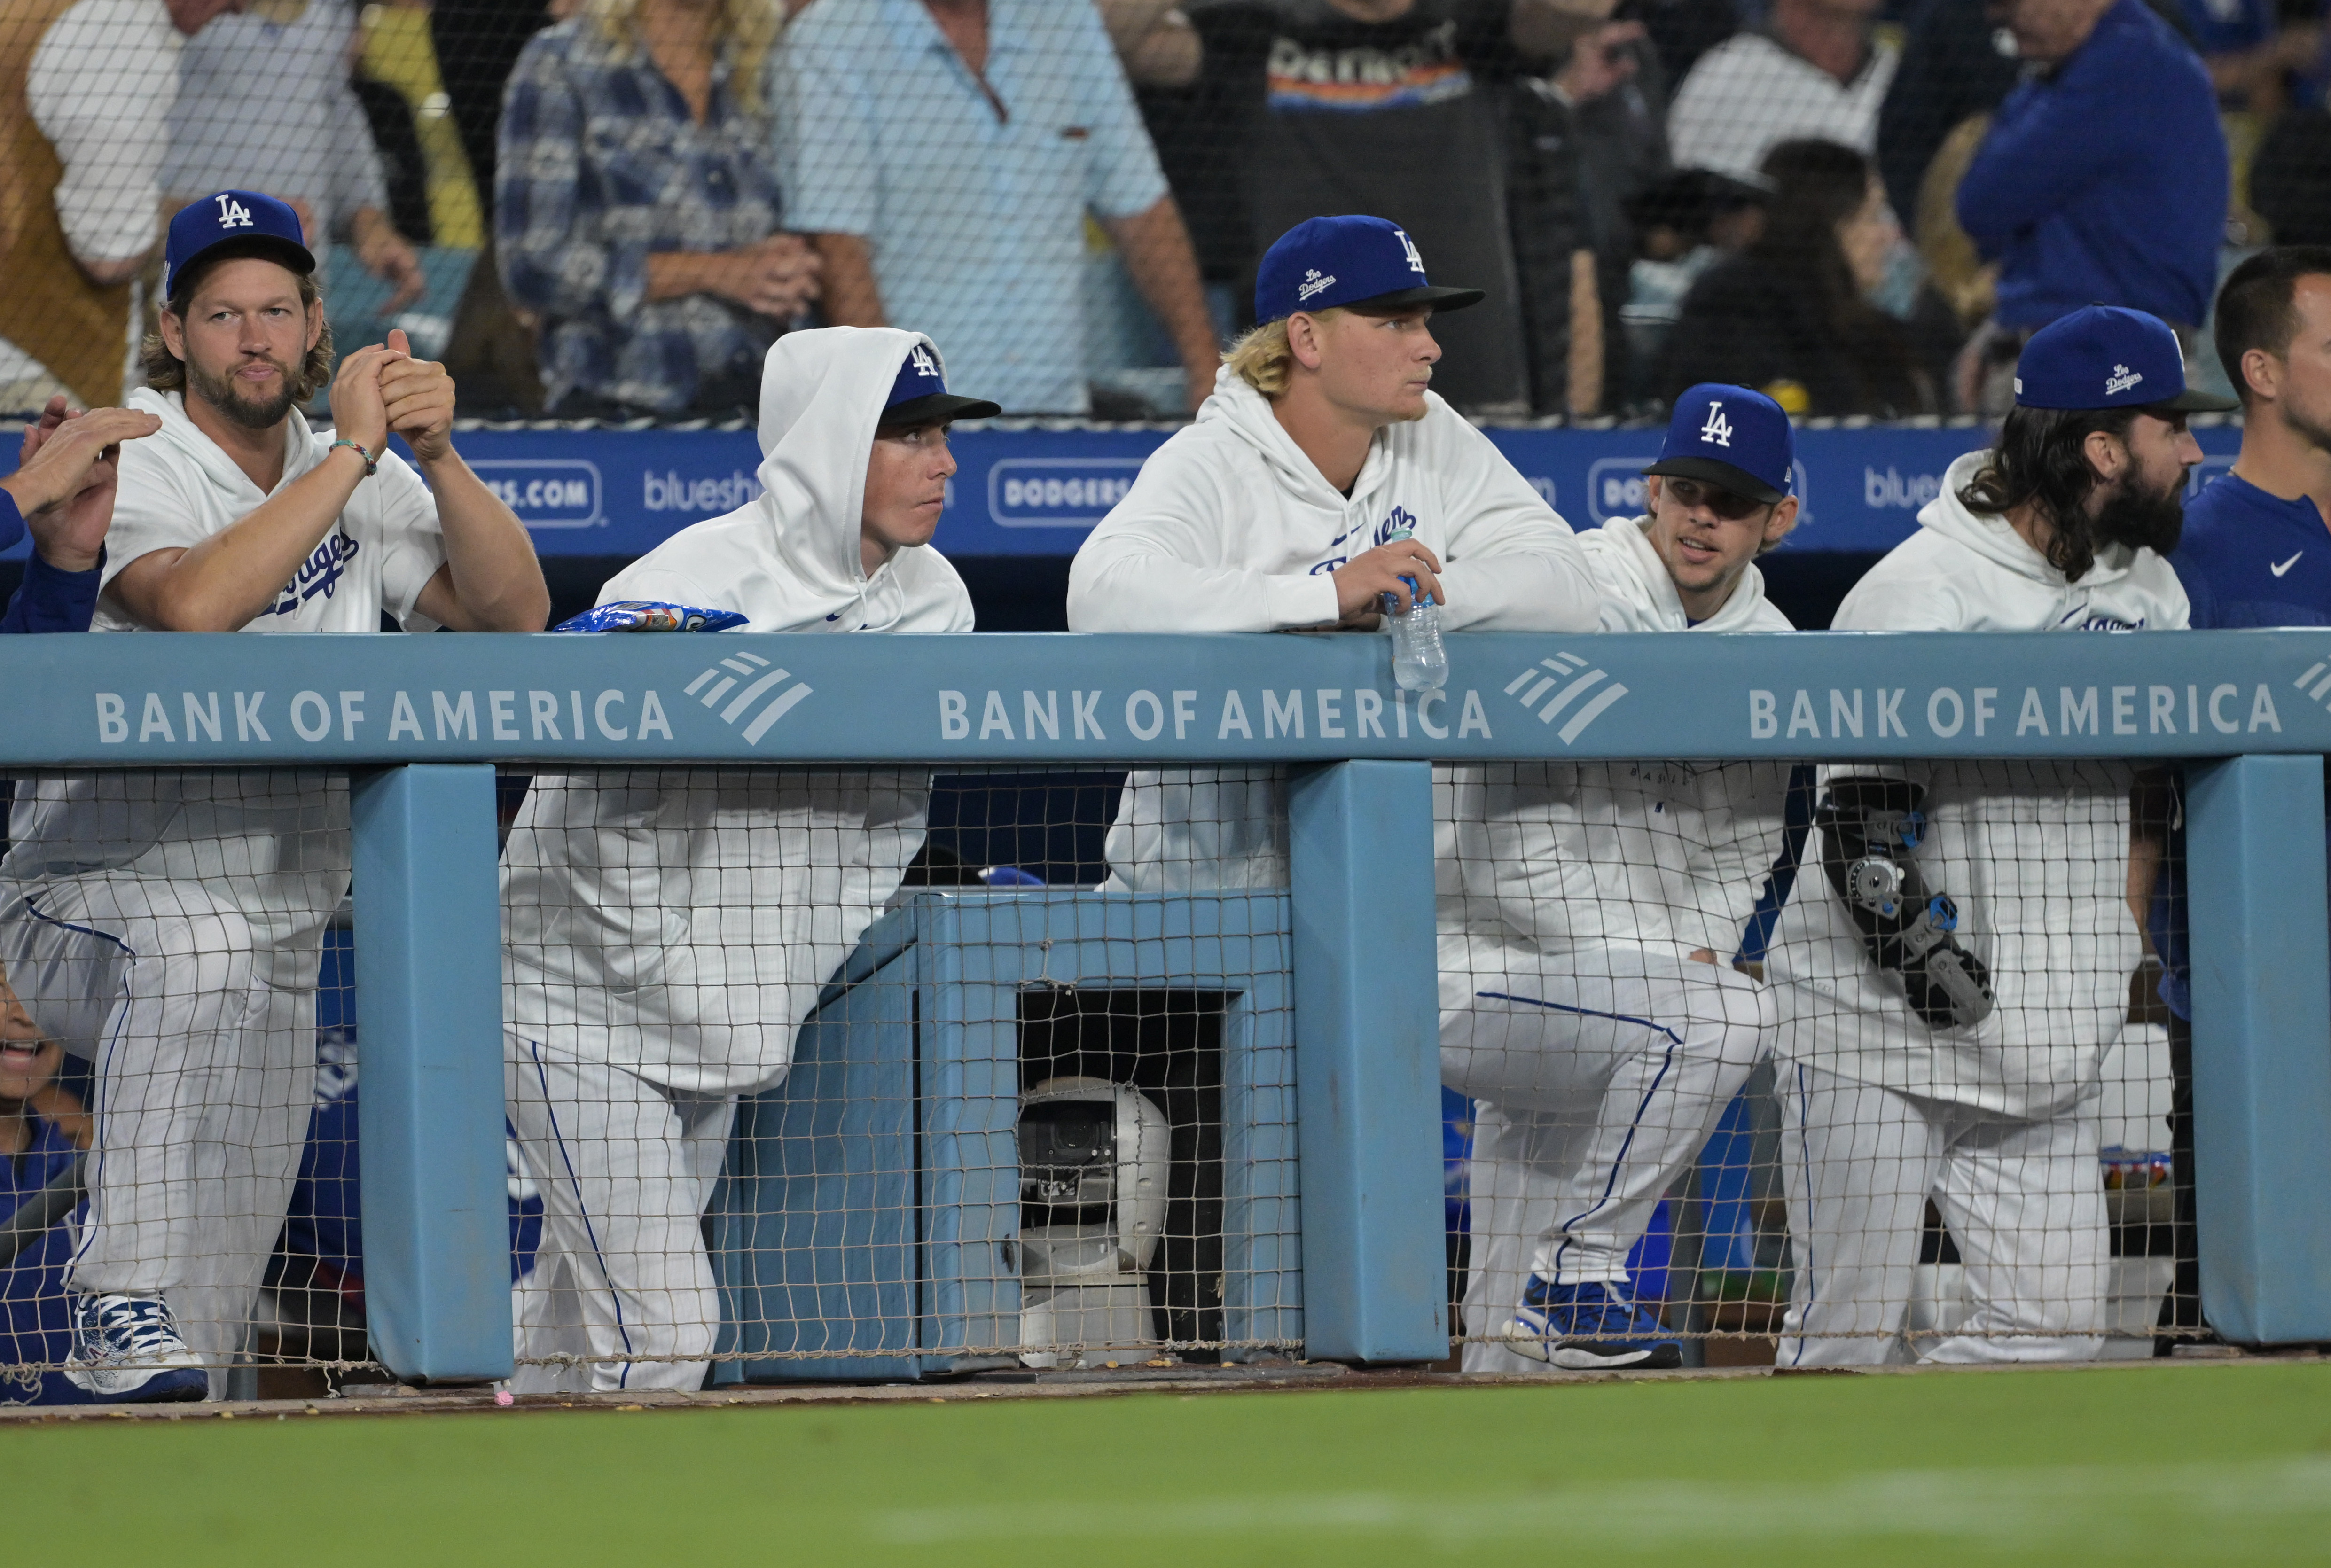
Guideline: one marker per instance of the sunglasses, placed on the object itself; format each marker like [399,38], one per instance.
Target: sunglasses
[1731,508]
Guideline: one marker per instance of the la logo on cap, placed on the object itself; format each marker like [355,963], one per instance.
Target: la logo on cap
[921,359]
[1408,249]
[233,215]
[1717,431]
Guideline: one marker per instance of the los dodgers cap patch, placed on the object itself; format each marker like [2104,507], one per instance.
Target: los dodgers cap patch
[2108,356]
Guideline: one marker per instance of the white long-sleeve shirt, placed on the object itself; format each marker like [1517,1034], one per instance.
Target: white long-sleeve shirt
[1230,528]
[1670,856]
[100,87]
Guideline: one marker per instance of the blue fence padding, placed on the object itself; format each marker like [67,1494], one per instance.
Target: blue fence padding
[1153,700]
[1038,490]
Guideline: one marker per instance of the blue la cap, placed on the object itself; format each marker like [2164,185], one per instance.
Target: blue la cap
[1334,263]
[1731,437]
[2108,356]
[919,395]
[256,225]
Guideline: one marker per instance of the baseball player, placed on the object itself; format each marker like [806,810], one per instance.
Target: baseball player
[170,927]
[669,930]
[1322,477]
[1588,996]
[1951,976]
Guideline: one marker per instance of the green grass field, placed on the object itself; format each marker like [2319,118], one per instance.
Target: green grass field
[2227,1463]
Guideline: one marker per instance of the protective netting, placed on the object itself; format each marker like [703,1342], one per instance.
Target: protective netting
[868,1074]
[609,207]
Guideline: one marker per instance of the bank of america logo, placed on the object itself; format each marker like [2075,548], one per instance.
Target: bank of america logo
[1567,678]
[759,680]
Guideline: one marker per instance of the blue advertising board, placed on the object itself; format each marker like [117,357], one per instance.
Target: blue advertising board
[1036,487]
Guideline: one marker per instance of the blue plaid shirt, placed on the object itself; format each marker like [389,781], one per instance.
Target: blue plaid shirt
[602,166]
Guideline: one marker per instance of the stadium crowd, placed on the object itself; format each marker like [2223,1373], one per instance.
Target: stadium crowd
[825,220]
[1864,206]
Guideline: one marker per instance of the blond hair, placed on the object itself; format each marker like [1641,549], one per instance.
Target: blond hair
[1262,357]
[747,29]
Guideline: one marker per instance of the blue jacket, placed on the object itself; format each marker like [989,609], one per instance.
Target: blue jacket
[49,600]
[2106,180]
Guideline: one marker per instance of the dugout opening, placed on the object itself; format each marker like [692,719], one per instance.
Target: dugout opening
[1168,1045]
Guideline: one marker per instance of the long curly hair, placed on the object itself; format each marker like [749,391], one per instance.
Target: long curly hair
[2040,459]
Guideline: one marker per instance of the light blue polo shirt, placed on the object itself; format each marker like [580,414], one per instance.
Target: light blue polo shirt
[977,223]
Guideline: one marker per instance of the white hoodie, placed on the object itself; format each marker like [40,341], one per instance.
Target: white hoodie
[1230,528]
[1670,856]
[679,923]
[2035,853]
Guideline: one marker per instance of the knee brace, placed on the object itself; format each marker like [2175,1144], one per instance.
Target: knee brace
[1871,832]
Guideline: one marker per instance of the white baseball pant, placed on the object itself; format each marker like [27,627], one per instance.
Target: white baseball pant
[2023,1200]
[206,1073]
[1608,1068]
[625,1168]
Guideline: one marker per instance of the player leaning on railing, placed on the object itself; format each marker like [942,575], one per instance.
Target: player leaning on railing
[1948,983]
[1589,998]
[1322,476]
[670,929]
[169,928]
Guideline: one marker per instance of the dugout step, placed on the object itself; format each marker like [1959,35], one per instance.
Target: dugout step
[867,1224]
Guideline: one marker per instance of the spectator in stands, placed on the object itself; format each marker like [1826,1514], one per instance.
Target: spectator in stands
[264,104]
[2256,50]
[42,1130]
[1814,70]
[1957,62]
[2254,552]
[947,155]
[85,91]
[1685,224]
[1388,107]
[2290,178]
[635,210]
[63,491]
[2104,178]
[1582,140]
[1797,313]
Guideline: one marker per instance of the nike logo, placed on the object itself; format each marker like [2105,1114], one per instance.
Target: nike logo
[2287,565]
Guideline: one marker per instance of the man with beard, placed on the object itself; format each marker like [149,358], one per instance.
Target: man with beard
[169,928]
[1948,986]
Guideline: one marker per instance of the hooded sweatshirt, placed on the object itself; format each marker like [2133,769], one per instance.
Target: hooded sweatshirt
[278,837]
[1554,857]
[1230,528]
[2035,853]
[679,923]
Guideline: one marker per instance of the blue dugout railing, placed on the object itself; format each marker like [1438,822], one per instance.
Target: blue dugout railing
[419,721]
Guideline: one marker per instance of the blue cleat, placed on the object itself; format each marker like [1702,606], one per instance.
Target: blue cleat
[1589,1327]
[126,1350]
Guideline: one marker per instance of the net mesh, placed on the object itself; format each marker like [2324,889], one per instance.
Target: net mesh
[610,208]
[869,1074]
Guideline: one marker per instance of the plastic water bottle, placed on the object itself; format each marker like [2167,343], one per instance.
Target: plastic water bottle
[1419,661]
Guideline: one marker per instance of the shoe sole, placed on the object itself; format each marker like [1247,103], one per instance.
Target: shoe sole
[1588,1357]
[1594,1358]
[177,1386]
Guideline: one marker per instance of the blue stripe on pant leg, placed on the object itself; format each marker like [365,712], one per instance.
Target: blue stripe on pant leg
[590,1231]
[1666,1061]
[1805,1156]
